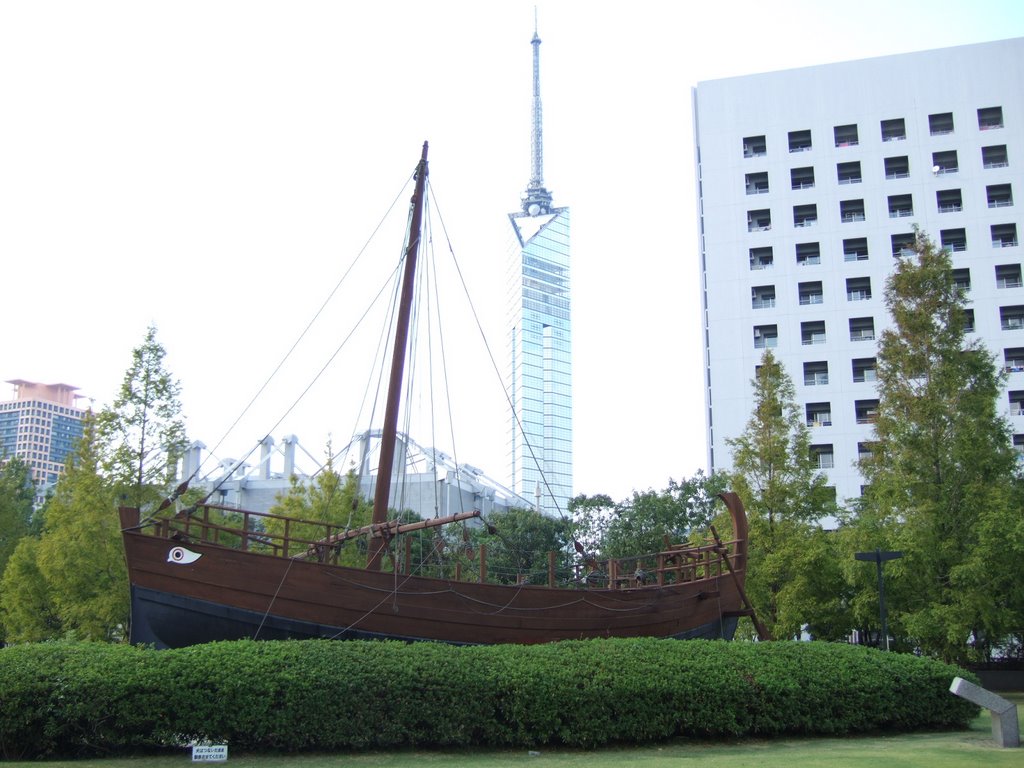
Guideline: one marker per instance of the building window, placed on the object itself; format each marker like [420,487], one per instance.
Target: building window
[821,455]
[846,135]
[819,414]
[816,373]
[1013,358]
[863,453]
[762,296]
[862,329]
[999,195]
[851,210]
[949,200]
[757,183]
[805,215]
[855,249]
[1004,235]
[812,333]
[897,167]
[766,336]
[799,141]
[894,130]
[761,258]
[754,146]
[1011,318]
[866,411]
[810,293]
[858,288]
[903,244]
[944,162]
[901,206]
[962,278]
[994,156]
[759,221]
[990,118]
[1018,442]
[940,124]
[1008,276]
[968,320]
[1016,398]
[864,369]
[802,178]
[808,253]
[848,173]
[953,239]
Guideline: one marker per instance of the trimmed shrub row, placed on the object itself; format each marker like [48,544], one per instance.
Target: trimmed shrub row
[90,699]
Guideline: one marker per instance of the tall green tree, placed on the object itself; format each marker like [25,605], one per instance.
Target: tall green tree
[80,554]
[785,496]
[17,495]
[943,479]
[143,432]
[28,613]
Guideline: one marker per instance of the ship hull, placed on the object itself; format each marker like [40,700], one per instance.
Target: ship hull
[227,594]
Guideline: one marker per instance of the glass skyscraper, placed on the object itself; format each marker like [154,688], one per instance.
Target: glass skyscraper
[40,426]
[539,327]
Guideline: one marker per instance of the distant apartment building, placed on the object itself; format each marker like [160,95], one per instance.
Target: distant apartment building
[40,426]
[809,182]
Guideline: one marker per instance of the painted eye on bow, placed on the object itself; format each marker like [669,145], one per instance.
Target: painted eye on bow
[182,556]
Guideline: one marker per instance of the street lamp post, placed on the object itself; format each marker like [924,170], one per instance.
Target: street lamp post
[879,557]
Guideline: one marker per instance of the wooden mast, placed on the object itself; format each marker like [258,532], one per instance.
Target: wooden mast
[388,435]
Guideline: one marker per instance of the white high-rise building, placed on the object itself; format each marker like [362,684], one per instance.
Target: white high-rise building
[809,181]
[539,377]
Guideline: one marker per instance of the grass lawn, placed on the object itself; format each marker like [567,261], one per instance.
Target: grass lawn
[952,749]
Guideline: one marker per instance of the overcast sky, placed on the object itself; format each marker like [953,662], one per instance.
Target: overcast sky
[213,167]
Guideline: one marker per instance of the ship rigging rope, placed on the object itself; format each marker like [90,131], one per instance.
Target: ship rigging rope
[266,613]
[302,335]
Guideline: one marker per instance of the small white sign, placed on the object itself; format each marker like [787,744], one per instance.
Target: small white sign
[210,753]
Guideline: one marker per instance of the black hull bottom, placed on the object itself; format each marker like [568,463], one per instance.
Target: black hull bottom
[172,621]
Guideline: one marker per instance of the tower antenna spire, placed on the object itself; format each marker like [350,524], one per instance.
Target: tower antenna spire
[536,199]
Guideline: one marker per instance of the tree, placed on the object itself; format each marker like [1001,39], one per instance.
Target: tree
[785,496]
[591,516]
[329,499]
[943,481]
[28,613]
[518,541]
[642,524]
[80,554]
[16,499]
[16,506]
[142,432]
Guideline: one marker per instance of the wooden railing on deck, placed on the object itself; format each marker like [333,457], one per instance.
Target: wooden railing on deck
[240,529]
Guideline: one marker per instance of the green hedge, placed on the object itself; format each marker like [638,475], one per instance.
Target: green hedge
[92,699]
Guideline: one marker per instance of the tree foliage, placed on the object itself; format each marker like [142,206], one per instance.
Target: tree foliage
[944,486]
[80,554]
[327,498]
[642,523]
[518,541]
[28,613]
[142,432]
[649,519]
[16,501]
[785,496]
